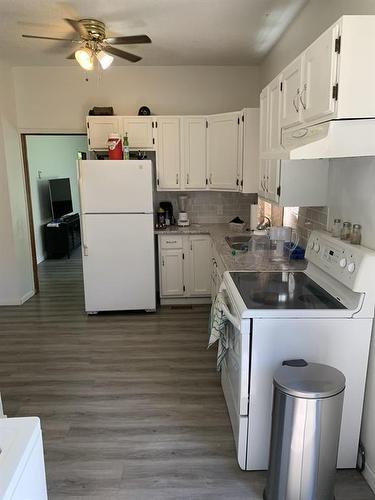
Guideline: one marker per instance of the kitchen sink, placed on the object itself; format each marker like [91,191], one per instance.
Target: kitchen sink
[239,243]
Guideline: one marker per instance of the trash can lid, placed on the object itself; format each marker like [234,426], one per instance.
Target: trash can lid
[308,380]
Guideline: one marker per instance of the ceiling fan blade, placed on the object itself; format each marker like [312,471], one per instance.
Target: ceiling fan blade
[78,27]
[127,40]
[51,38]
[121,53]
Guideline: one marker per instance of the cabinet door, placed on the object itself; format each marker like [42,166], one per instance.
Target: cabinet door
[274,101]
[98,130]
[171,273]
[223,151]
[194,153]
[263,173]
[168,153]
[319,77]
[291,86]
[264,123]
[200,265]
[139,130]
[273,180]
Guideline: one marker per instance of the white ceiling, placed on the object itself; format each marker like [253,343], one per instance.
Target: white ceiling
[183,32]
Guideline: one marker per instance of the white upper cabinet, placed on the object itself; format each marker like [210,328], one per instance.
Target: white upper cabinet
[274,106]
[249,143]
[291,86]
[98,130]
[273,180]
[223,151]
[168,153]
[331,79]
[319,77]
[263,121]
[194,153]
[139,130]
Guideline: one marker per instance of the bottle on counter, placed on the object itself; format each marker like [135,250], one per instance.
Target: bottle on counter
[356,236]
[126,147]
[160,218]
[346,231]
[336,229]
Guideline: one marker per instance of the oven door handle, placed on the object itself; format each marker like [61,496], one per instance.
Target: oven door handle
[235,322]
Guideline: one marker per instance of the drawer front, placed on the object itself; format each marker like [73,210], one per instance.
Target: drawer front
[171,241]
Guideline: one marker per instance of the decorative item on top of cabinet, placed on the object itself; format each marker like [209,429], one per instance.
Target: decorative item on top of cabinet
[223,152]
[168,153]
[184,264]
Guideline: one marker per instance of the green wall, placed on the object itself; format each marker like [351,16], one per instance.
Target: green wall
[51,156]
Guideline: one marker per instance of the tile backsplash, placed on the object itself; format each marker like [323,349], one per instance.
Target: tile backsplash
[210,206]
[309,219]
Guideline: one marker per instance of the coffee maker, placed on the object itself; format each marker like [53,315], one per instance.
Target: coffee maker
[168,209]
[183,219]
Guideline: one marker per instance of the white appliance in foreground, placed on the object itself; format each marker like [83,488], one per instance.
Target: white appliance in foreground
[22,474]
[117,228]
[323,314]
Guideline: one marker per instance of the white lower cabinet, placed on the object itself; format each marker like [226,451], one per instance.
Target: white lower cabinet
[199,269]
[184,267]
[217,271]
[172,272]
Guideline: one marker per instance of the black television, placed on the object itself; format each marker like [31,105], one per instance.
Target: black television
[61,197]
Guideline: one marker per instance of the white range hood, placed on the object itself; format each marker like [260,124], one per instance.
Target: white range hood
[331,139]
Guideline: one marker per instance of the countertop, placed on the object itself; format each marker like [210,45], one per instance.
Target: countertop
[256,259]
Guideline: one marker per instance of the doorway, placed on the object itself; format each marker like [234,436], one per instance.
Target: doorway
[52,188]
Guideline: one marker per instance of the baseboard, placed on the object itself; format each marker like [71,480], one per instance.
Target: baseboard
[184,300]
[27,296]
[369,475]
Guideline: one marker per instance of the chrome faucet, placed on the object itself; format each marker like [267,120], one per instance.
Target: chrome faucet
[265,224]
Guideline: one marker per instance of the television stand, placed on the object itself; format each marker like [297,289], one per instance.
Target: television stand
[62,237]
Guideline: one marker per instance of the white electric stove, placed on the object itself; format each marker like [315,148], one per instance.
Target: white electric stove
[323,314]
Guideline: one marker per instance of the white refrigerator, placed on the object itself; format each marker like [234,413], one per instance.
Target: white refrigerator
[117,229]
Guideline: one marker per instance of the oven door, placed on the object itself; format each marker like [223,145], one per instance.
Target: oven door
[235,374]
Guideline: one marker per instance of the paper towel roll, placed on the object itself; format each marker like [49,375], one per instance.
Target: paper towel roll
[253,217]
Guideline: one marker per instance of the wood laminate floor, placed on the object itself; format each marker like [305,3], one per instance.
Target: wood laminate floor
[130,404]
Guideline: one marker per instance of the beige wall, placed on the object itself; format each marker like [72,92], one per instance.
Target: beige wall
[308,25]
[16,280]
[57,99]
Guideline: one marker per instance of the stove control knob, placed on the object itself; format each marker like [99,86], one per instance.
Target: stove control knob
[351,267]
[316,247]
[342,262]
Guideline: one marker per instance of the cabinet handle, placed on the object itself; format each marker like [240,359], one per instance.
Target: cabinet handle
[187,178]
[210,178]
[176,178]
[295,98]
[171,241]
[301,96]
[162,261]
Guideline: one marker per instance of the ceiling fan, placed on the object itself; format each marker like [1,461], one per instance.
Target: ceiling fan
[95,44]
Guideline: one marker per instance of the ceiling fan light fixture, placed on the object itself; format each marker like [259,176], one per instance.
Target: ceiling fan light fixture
[104,59]
[85,58]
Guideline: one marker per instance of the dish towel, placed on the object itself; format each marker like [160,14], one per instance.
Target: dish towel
[217,330]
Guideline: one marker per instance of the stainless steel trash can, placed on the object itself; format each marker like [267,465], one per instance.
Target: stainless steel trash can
[306,420]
